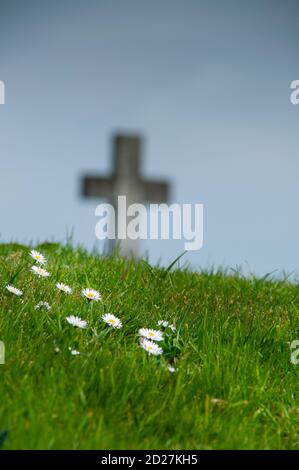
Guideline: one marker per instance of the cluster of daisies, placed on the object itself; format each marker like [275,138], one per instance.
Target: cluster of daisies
[149,338]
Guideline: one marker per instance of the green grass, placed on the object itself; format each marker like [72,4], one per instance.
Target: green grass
[231,344]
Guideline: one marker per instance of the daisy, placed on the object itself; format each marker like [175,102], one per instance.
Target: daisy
[74,352]
[218,401]
[43,304]
[112,320]
[14,290]
[91,294]
[172,327]
[64,288]
[40,272]
[38,257]
[171,369]
[163,323]
[150,347]
[154,335]
[76,321]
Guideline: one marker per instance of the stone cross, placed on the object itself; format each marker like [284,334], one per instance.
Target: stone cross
[126,180]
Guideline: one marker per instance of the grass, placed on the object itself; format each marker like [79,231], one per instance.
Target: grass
[234,388]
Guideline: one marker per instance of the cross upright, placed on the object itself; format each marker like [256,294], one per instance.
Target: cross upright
[126,180]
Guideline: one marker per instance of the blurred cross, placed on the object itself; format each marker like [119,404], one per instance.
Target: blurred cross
[126,180]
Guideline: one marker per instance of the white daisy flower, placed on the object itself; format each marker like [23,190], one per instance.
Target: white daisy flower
[74,352]
[64,288]
[91,294]
[151,347]
[171,369]
[43,304]
[218,401]
[40,272]
[14,290]
[172,327]
[163,323]
[76,321]
[154,335]
[112,320]
[38,257]
[56,349]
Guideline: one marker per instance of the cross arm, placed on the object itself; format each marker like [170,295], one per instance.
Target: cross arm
[97,186]
[156,192]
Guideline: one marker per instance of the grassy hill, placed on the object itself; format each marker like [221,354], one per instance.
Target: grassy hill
[234,386]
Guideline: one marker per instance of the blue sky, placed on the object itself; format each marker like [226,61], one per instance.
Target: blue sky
[207,83]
